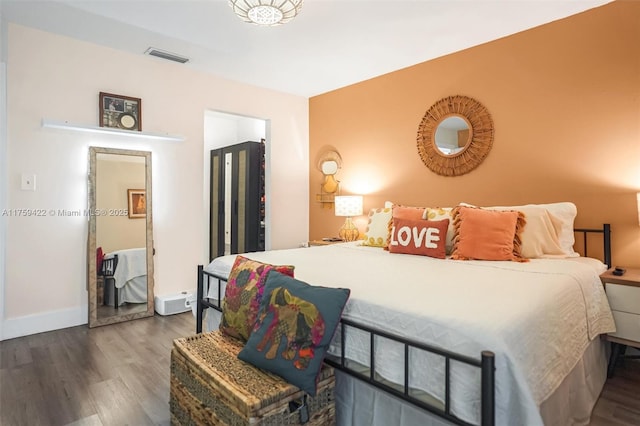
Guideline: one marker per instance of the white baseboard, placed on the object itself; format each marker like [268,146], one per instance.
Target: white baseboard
[40,323]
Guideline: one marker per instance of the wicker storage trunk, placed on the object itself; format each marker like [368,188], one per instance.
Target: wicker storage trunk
[210,386]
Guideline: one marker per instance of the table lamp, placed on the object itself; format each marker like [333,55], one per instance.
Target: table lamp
[349,206]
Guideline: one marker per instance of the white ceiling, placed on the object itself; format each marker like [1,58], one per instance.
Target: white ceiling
[331,44]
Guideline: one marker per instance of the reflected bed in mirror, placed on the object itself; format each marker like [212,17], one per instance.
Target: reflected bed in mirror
[120,247]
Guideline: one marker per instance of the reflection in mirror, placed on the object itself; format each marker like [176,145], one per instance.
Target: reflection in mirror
[452,135]
[329,169]
[120,257]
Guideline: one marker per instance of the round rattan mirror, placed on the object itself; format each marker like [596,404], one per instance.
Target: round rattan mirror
[465,147]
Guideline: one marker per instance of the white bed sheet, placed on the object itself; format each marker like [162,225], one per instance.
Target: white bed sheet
[537,317]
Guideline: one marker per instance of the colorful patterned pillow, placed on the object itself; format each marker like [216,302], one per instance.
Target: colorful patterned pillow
[378,228]
[243,294]
[421,237]
[440,213]
[294,328]
[487,234]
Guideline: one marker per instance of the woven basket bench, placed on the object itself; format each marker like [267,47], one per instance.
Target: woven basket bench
[211,386]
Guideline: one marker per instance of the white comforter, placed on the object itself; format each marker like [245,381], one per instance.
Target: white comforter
[537,317]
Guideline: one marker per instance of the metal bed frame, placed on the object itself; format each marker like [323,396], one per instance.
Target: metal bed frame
[486,361]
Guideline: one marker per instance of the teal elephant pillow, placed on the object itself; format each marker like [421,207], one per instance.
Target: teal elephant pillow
[295,325]
[243,294]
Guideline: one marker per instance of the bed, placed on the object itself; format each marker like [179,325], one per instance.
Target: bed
[125,273]
[537,325]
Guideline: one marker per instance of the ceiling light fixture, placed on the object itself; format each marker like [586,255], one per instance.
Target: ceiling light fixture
[266,12]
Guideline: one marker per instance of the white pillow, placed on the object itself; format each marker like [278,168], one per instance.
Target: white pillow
[565,213]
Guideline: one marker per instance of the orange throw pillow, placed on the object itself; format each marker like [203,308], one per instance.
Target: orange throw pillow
[404,212]
[487,234]
[421,237]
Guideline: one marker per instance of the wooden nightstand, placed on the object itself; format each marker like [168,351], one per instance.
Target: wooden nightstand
[323,242]
[623,293]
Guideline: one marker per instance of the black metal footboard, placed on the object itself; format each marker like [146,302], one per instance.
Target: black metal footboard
[486,363]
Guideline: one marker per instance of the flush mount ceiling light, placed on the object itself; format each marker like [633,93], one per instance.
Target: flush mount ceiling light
[266,12]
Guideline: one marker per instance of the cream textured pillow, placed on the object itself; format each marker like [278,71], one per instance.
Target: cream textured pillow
[563,215]
[377,232]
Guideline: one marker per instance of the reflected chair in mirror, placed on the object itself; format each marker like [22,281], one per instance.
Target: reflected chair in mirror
[106,271]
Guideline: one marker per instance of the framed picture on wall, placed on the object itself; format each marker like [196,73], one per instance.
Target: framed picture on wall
[137,203]
[120,112]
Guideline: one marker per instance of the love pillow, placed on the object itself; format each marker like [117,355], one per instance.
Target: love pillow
[421,237]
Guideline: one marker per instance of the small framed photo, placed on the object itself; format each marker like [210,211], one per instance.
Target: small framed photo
[137,203]
[120,112]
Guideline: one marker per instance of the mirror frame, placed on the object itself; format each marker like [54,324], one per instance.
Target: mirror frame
[481,129]
[92,276]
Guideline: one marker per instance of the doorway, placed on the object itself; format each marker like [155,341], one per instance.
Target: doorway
[223,129]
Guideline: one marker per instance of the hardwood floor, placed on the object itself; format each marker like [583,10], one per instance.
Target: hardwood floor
[619,403]
[111,375]
[119,375]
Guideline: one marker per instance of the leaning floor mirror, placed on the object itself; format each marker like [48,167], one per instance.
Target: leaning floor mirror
[120,243]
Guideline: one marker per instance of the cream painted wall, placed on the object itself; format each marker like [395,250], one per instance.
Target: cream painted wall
[59,78]
[3,161]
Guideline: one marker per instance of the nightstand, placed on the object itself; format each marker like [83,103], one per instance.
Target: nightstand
[323,242]
[623,293]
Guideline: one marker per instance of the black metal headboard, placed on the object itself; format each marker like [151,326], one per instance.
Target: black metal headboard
[606,231]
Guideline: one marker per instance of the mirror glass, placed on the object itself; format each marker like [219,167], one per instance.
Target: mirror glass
[120,244]
[330,167]
[452,135]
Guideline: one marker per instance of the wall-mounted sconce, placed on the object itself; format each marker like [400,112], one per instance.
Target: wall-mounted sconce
[329,170]
[349,206]
[329,164]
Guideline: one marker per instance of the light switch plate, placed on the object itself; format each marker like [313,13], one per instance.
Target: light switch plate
[28,182]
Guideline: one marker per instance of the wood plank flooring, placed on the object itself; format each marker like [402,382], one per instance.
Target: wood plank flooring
[111,375]
[119,375]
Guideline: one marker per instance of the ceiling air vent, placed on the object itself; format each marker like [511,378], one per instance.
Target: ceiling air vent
[166,55]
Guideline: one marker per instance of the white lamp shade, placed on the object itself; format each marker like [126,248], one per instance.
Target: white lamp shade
[348,205]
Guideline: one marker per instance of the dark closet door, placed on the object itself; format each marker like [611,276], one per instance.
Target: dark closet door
[237,199]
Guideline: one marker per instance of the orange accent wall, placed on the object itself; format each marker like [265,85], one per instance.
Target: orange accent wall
[565,101]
